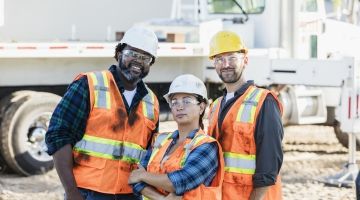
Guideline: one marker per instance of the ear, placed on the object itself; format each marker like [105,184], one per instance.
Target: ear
[246,59]
[202,107]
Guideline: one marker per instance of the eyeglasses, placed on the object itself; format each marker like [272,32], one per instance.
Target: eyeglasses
[185,102]
[231,59]
[141,58]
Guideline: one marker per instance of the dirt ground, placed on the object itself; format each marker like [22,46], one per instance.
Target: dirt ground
[311,153]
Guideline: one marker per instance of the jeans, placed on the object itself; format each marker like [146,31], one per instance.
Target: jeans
[92,195]
[357,185]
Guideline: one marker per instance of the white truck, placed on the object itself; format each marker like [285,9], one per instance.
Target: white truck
[294,50]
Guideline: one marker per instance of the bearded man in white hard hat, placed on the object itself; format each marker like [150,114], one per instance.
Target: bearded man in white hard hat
[100,130]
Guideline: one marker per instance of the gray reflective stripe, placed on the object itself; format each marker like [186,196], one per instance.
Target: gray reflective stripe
[110,151]
[189,147]
[98,87]
[240,163]
[133,153]
[159,139]
[149,106]
[249,103]
[101,95]
[214,107]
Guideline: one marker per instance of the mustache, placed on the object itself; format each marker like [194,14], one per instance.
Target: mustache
[227,69]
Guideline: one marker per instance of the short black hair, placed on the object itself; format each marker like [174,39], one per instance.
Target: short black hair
[119,48]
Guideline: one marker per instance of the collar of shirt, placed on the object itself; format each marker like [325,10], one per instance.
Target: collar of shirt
[241,90]
[175,134]
[140,88]
[175,137]
[225,105]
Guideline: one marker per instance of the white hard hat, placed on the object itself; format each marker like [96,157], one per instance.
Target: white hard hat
[189,84]
[141,38]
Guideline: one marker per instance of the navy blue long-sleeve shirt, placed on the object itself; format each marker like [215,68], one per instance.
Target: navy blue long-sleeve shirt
[268,136]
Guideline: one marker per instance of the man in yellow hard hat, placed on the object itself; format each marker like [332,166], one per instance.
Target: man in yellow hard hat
[247,122]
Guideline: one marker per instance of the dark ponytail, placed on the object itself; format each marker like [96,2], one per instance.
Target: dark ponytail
[201,123]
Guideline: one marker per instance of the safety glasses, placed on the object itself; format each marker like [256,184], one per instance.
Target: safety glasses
[231,59]
[185,102]
[139,57]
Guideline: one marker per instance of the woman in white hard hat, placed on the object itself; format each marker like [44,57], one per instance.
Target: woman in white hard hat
[187,163]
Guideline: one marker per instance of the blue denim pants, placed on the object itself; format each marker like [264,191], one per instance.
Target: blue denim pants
[92,195]
[357,186]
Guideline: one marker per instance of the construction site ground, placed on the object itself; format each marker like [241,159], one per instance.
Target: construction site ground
[311,152]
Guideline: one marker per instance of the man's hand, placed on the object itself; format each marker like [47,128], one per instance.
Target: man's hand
[136,175]
[172,196]
[259,193]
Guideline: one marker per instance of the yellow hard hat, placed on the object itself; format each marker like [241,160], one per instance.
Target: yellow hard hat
[226,41]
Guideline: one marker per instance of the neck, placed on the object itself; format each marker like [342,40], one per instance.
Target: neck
[233,87]
[184,131]
[127,85]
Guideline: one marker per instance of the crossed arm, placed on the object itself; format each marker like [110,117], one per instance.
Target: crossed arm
[156,180]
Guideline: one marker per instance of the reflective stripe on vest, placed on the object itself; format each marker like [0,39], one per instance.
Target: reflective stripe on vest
[213,108]
[162,139]
[148,105]
[189,146]
[159,142]
[247,109]
[101,90]
[239,163]
[110,149]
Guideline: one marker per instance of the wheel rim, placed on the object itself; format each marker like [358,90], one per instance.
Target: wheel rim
[36,137]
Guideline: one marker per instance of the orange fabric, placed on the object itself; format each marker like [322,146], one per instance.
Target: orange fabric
[213,192]
[106,175]
[238,137]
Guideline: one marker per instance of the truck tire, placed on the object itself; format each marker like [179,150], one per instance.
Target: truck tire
[25,119]
[343,137]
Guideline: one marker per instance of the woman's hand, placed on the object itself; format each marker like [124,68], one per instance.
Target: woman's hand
[136,175]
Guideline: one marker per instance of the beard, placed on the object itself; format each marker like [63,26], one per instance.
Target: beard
[231,76]
[129,74]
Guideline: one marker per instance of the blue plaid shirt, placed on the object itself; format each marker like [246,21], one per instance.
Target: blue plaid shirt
[200,167]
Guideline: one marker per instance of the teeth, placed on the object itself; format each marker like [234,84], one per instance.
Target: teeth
[136,67]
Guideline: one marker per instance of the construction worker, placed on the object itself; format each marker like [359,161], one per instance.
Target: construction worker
[187,163]
[101,128]
[246,120]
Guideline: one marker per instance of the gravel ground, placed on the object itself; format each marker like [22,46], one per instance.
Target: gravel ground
[311,153]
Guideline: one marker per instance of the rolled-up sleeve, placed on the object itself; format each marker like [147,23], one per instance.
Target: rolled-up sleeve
[137,187]
[268,137]
[68,121]
[200,167]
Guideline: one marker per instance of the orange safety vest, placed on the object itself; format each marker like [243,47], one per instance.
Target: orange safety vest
[237,140]
[177,160]
[113,142]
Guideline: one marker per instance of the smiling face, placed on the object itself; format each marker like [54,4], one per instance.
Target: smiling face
[186,109]
[134,64]
[230,66]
